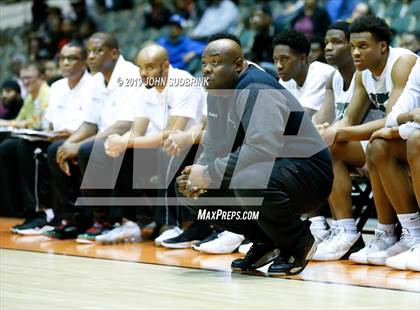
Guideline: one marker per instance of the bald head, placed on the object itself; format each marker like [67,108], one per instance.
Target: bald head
[229,48]
[223,62]
[153,62]
[153,53]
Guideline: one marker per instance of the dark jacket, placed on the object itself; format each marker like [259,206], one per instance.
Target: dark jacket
[259,121]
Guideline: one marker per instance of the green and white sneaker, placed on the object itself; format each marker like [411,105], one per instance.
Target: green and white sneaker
[90,235]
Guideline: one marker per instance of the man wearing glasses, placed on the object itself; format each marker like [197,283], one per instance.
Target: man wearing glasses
[30,116]
[64,113]
[35,103]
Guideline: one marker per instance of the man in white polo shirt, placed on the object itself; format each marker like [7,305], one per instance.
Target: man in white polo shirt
[108,98]
[64,114]
[170,103]
[68,95]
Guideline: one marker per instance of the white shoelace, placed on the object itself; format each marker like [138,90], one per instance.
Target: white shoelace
[335,230]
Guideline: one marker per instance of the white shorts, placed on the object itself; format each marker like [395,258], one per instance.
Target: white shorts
[364,144]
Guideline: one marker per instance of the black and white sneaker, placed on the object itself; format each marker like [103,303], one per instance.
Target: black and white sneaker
[34,226]
[245,246]
[211,237]
[18,226]
[297,261]
[193,234]
[225,243]
[260,254]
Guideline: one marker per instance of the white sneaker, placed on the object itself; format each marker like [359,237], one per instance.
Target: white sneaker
[398,261]
[333,231]
[128,232]
[338,246]
[225,243]
[380,242]
[244,248]
[405,243]
[413,260]
[320,233]
[327,239]
[168,234]
[34,231]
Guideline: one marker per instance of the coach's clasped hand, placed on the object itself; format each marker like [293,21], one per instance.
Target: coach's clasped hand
[194,181]
[116,144]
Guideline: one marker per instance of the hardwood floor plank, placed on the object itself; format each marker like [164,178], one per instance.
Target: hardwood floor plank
[340,272]
[45,281]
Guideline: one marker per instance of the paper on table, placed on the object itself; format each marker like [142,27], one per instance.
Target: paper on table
[37,135]
[6,129]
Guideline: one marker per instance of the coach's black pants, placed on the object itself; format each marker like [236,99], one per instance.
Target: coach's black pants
[67,187]
[296,186]
[25,175]
[131,174]
[174,214]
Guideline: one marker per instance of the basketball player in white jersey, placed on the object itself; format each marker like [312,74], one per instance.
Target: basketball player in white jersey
[382,74]
[393,149]
[306,81]
[341,87]
[338,54]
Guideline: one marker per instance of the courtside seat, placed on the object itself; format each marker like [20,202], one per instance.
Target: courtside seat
[362,198]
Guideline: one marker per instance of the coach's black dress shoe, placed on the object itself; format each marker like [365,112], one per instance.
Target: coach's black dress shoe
[259,254]
[296,262]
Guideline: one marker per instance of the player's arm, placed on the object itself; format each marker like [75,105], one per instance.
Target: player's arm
[399,74]
[326,114]
[310,112]
[406,117]
[348,128]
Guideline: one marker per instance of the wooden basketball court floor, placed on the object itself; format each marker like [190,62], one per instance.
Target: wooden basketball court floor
[39,273]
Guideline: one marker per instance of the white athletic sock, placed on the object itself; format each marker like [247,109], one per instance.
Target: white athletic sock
[388,228]
[318,222]
[348,224]
[411,222]
[49,214]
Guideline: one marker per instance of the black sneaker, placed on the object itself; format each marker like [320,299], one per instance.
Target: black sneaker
[67,230]
[295,263]
[33,226]
[260,254]
[18,226]
[193,234]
